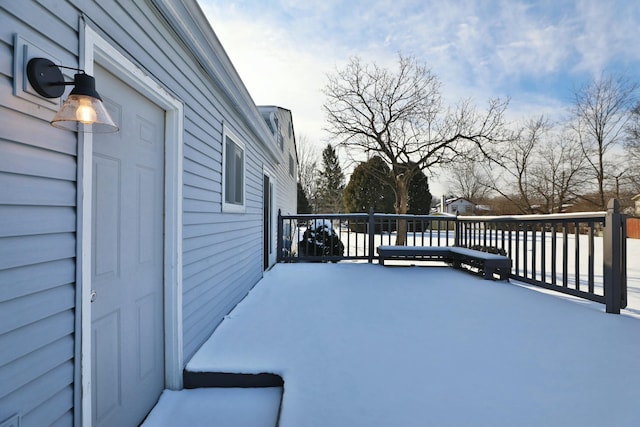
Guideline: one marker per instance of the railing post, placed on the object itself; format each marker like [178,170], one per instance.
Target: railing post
[279,238]
[623,278]
[456,232]
[613,259]
[371,230]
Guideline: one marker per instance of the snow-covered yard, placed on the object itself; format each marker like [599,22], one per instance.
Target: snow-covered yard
[366,345]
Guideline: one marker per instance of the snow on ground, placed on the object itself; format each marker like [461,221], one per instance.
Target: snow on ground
[366,345]
[217,407]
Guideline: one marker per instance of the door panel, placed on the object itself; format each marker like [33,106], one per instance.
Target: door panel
[127,265]
[106,212]
[106,344]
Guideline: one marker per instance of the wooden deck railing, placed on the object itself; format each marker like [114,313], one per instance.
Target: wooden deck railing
[580,254]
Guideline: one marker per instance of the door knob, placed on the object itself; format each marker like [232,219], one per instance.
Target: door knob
[93,295]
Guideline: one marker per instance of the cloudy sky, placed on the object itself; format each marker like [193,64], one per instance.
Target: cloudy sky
[535,52]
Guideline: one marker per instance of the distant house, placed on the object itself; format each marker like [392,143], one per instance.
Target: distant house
[633,224]
[455,206]
[482,209]
[636,201]
[121,253]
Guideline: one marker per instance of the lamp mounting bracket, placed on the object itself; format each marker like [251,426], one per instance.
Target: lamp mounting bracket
[45,77]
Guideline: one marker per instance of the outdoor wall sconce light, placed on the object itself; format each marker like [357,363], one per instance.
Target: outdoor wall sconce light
[83,110]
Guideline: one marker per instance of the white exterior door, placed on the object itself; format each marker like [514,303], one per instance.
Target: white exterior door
[127,317]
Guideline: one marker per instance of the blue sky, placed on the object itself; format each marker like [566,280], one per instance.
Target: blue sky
[535,52]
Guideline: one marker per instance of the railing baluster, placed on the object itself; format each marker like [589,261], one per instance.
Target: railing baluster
[517,243]
[534,255]
[543,252]
[413,224]
[577,254]
[525,250]
[565,254]
[554,253]
[511,248]
[591,257]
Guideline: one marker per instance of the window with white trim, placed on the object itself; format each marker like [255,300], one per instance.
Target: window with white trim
[292,167]
[232,174]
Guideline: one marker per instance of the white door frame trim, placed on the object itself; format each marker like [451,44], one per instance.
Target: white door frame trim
[266,170]
[94,48]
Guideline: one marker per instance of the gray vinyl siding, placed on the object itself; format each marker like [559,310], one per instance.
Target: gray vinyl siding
[37,237]
[38,197]
[285,187]
[209,276]
[287,193]
[286,190]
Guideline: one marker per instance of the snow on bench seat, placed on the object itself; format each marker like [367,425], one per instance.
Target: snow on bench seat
[488,263]
[431,253]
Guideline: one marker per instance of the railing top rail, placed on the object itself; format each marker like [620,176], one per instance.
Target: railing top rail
[376,215]
[441,217]
[538,217]
[448,217]
[326,216]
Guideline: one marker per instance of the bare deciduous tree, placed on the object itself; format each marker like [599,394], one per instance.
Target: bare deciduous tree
[468,180]
[601,112]
[559,173]
[541,171]
[308,171]
[516,166]
[399,116]
[632,148]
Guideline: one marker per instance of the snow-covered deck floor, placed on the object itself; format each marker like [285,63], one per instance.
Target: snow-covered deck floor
[367,345]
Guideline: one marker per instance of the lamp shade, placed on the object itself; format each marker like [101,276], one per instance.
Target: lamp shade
[83,110]
[84,113]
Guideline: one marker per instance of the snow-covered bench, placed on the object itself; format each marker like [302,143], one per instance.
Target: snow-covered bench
[488,263]
[424,253]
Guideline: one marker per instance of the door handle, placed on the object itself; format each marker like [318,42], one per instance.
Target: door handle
[93,295]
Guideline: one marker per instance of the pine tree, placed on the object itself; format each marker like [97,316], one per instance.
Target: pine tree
[370,187]
[419,195]
[330,183]
[303,203]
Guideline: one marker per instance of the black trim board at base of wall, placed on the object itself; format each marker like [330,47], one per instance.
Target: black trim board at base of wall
[230,380]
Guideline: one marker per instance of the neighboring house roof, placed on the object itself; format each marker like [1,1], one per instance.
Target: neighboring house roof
[457,199]
[454,200]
